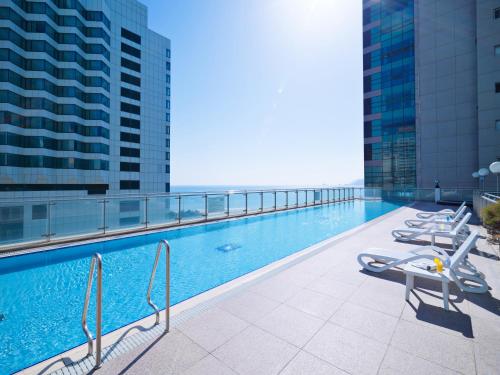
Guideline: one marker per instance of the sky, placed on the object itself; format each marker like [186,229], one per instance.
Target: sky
[264,92]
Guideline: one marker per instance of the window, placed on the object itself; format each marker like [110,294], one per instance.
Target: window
[167,142]
[14,119]
[497,125]
[129,137]
[497,50]
[167,155]
[131,36]
[168,65]
[168,104]
[168,88]
[130,123]
[497,87]
[130,108]
[129,167]
[129,185]
[130,206]
[130,152]
[50,106]
[167,168]
[130,79]
[41,161]
[167,187]
[168,117]
[39,211]
[168,53]
[167,130]
[496,13]
[368,152]
[129,64]
[131,50]
[132,94]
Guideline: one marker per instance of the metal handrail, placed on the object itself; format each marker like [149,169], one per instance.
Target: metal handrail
[491,196]
[96,258]
[166,194]
[492,200]
[167,285]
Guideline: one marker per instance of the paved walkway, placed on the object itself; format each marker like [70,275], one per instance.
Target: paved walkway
[325,316]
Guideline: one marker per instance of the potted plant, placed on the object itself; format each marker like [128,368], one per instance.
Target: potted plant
[491,221]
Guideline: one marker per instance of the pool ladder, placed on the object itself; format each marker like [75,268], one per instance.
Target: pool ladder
[97,260]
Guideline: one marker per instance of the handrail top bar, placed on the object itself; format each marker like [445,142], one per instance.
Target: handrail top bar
[176,195]
[489,199]
[492,195]
[166,195]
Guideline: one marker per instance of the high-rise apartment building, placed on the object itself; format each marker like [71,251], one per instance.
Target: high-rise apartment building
[85,99]
[431,91]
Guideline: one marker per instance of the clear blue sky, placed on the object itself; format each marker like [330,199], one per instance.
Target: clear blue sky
[264,92]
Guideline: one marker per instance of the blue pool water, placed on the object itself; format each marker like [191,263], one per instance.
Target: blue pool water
[41,295]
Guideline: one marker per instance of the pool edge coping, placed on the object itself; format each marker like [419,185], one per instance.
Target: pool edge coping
[194,305]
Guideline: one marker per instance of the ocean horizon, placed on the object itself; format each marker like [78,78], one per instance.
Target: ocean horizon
[211,188]
[219,188]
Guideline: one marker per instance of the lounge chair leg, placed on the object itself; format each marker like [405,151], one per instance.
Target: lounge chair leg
[446,296]
[433,240]
[410,281]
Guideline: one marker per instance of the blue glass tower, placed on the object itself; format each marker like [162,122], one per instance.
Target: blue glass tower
[389,93]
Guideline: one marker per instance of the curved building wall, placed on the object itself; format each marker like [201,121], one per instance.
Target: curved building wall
[84,99]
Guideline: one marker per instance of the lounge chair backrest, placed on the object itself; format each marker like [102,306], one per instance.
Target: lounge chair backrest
[463,250]
[462,223]
[458,215]
[459,208]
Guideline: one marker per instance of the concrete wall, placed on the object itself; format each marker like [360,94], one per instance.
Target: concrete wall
[488,72]
[446,95]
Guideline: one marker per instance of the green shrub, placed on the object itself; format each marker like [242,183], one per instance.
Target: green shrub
[491,216]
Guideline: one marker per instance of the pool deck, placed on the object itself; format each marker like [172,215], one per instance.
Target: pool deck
[324,315]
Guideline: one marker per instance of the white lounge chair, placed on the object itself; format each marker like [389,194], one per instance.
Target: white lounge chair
[445,212]
[448,219]
[387,259]
[457,233]
[453,272]
[379,260]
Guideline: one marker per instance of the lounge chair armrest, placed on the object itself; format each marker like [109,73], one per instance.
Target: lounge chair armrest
[431,257]
[445,258]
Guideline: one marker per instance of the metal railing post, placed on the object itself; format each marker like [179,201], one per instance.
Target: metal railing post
[246,203]
[167,284]
[179,209]
[275,205]
[96,258]
[261,201]
[146,200]
[49,225]
[206,206]
[286,202]
[227,204]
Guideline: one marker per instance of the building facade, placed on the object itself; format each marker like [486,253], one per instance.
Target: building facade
[85,99]
[431,105]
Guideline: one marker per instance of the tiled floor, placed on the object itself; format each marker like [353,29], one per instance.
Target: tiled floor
[325,316]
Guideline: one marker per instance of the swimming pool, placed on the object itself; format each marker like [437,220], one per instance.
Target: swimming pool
[41,294]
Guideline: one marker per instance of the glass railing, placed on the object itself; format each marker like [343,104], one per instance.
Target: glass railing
[41,221]
[483,199]
[25,223]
